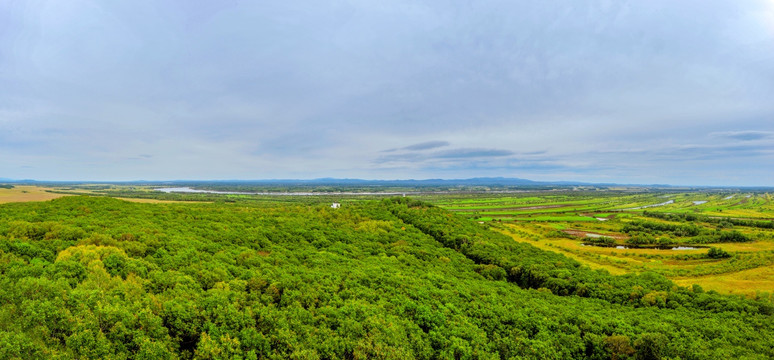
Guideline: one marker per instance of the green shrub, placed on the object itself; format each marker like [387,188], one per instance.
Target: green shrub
[717,253]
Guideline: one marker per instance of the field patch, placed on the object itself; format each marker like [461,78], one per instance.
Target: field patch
[25,193]
[746,282]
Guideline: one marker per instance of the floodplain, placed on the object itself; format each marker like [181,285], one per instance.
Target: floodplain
[722,241]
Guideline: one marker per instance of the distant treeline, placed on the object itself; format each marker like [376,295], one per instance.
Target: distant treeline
[645,232]
[763,224]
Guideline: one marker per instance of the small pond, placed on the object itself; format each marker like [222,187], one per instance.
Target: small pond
[652,205]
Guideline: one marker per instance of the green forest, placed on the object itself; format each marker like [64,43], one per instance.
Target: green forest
[100,278]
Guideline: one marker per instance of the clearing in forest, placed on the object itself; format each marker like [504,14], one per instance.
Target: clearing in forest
[24,193]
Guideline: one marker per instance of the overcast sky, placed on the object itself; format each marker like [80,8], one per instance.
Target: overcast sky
[675,92]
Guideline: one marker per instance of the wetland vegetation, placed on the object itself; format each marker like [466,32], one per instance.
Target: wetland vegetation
[434,276]
[729,236]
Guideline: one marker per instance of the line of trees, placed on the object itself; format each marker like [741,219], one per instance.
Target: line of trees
[725,221]
[644,232]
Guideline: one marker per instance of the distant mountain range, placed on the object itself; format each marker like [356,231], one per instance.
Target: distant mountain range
[478,181]
[410,182]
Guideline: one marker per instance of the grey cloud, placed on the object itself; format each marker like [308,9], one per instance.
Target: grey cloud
[532,153]
[684,156]
[426,145]
[453,154]
[410,157]
[471,153]
[736,152]
[317,88]
[744,135]
[140,157]
[420,146]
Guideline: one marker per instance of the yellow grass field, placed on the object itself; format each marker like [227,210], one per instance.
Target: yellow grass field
[622,261]
[26,193]
[745,282]
[748,246]
[550,246]
[741,213]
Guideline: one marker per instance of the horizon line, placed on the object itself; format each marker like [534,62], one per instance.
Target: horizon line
[331,179]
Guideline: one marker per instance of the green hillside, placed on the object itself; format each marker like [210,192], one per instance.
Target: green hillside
[100,278]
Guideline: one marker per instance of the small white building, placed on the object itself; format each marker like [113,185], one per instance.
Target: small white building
[335,205]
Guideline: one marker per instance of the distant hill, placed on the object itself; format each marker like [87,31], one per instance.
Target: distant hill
[482,181]
[469,182]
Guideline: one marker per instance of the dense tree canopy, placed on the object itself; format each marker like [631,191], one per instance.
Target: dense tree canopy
[91,278]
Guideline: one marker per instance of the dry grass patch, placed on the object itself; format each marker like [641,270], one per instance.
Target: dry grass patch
[746,246]
[550,245]
[623,261]
[24,193]
[745,282]
[740,213]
